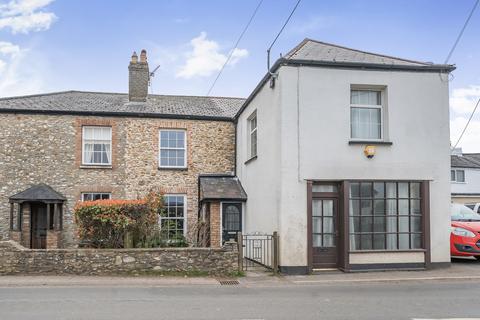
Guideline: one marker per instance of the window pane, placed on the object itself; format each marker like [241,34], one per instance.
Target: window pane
[392,242]
[328,225]
[379,224]
[366,207]
[379,207]
[354,190]
[365,123]
[391,189]
[403,189]
[379,241]
[391,224]
[403,241]
[366,241]
[317,208]
[317,225]
[415,190]
[366,189]
[317,240]
[327,208]
[324,188]
[366,224]
[403,207]
[416,240]
[452,175]
[354,207]
[355,224]
[415,207]
[460,176]
[379,190]
[354,242]
[403,224]
[367,97]
[391,207]
[328,240]
[416,224]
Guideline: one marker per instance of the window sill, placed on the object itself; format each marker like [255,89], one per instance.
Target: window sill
[371,142]
[387,251]
[95,166]
[173,168]
[251,159]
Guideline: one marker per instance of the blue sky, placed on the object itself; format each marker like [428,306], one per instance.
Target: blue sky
[48,45]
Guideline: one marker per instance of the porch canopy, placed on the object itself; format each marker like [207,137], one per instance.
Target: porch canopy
[37,193]
[221,187]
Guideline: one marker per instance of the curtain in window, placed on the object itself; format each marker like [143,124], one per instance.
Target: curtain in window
[365,97]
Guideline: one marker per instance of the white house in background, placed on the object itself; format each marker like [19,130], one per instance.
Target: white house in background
[346,154]
[465,177]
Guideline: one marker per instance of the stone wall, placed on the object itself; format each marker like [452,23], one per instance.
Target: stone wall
[15,259]
[47,149]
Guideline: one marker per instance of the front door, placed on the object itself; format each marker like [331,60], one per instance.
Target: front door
[38,229]
[231,220]
[324,233]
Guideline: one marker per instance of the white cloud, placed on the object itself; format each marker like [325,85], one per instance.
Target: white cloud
[8,48]
[206,58]
[471,139]
[23,16]
[463,100]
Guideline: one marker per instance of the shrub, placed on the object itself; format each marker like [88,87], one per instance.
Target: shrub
[105,223]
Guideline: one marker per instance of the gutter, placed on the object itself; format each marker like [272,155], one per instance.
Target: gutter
[116,114]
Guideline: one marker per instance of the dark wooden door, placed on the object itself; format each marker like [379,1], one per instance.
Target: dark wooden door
[38,226]
[324,233]
[231,220]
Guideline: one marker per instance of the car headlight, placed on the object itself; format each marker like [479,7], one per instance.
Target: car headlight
[463,232]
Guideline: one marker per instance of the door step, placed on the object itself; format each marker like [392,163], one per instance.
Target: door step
[326,270]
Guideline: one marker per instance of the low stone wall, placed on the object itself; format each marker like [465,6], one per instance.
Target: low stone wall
[15,259]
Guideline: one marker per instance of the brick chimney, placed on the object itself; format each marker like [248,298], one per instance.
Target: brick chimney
[138,76]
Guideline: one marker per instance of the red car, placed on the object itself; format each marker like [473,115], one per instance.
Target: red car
[465,235]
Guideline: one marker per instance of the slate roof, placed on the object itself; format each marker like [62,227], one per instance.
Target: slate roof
[214,187]
[117,104]
[313,50]
[467,160]
[39,192]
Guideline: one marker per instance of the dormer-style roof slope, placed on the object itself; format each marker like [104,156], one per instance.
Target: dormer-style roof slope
[313,50]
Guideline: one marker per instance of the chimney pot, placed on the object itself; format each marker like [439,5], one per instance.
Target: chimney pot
[134,57]
[143,56]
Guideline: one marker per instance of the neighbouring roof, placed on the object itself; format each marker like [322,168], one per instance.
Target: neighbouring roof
[117,104]
[213,187]
[467,160]
[39,192]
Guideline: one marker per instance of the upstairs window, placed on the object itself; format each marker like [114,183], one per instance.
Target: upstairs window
[173,149]
[366,115]
[252,130]
[457,175]
[97,145]
[92,196]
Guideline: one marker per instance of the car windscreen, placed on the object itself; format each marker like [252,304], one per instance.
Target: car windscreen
[463,213]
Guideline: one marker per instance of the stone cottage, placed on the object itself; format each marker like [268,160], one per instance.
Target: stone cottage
[60,148]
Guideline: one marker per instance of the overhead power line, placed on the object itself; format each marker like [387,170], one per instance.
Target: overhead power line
[461,32]
[280,32]
[448,58]
[466,125]
[235,46]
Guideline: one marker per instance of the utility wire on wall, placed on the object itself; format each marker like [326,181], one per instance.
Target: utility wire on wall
[448,58]
[235,46]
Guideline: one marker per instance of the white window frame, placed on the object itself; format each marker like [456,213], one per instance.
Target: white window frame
[250,133]
[455,180]
[185,148]
[381,106]
[83,147]
[185,212]
[102,193]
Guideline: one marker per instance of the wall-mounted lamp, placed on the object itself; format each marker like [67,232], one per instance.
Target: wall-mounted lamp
[369,151]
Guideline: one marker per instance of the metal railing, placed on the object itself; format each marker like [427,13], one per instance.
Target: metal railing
[258,251]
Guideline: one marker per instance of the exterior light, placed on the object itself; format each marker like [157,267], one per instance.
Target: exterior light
[369,151]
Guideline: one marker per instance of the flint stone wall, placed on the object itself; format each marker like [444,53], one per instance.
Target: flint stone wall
[15,259]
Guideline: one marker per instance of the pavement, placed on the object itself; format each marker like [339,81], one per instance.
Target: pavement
[450,293]
[460,270]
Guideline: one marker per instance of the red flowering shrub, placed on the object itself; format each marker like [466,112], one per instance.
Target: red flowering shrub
[104,223]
